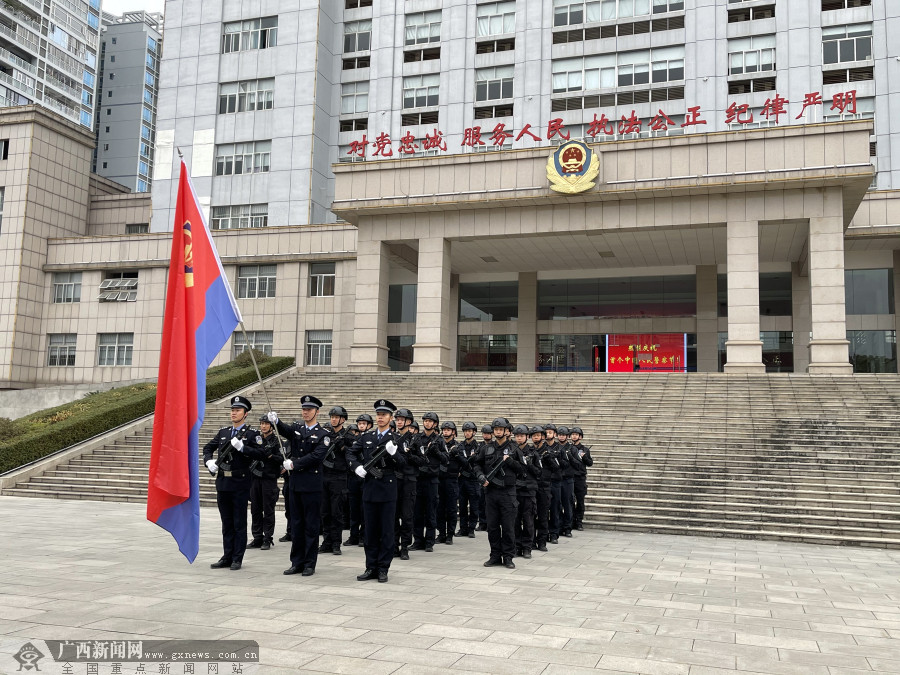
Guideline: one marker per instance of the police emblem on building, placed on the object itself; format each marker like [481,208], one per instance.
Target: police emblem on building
[573,168]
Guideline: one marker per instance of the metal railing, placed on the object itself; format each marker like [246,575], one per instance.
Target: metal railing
[57,83]
[17,61]
[18,37]
[61,108]
[18,84]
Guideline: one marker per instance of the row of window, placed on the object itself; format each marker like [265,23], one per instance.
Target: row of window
[117,349]
[254,281]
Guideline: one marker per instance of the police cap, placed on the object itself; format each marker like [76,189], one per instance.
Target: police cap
[383,405]
[310,402]
[241,402]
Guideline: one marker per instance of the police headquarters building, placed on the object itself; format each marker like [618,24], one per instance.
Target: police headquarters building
[610,185]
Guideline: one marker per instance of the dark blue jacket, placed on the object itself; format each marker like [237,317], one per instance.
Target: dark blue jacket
[307,450]
[379,485]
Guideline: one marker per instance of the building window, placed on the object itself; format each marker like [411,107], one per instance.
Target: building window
[66,287]
[869,291]
[666,64]
[241,36]
[235,97]
[61,349]
[318,347]
[494,83]
[260,340]
[873,351]
[488,352]
[321,279]
[354,98]
[256,281]
[402,300]
[347,155]
[423,27]
[400,351]
[608,298]
[114,349]
[137,228]
[421,91]
[778,351]
[843,44]
[752,54]
[239,216]
[118,287]
[489,301]
[584,73]
[356,4]
[234,159]
[495,18]
[357,36]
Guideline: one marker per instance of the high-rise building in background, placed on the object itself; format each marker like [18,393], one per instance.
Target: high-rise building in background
[48,55]
[125,125]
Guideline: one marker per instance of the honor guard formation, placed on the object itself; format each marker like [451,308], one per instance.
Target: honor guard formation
[400,487]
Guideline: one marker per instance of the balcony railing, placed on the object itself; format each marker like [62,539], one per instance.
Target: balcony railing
[19,63]
[66,63]
[55,82]
[62,108]
[22,38]
[17,84]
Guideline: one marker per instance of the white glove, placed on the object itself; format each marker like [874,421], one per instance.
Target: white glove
[237,444]
[272,417]
[288,465]
[359,471]
[212,466]
[391,448]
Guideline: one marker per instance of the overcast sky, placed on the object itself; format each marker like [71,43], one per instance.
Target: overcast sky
[119,6]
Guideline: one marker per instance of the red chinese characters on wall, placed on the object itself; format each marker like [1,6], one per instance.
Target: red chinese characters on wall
[771,111]
[646,352]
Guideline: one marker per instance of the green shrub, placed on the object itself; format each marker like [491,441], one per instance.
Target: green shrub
[48,431]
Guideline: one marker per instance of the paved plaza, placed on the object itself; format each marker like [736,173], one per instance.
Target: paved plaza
[605,602]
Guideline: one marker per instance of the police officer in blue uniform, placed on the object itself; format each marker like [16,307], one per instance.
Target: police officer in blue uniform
[235,448]
[309,443]
[375,459]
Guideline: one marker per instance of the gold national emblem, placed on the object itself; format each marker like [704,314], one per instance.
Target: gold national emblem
[573,168]
[188,255]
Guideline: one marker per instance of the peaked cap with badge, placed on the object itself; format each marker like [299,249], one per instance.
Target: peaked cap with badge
[241,402]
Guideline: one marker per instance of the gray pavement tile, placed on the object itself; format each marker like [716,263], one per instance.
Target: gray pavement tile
[443,631]
[618,649]
[691,658]
[383,638]
[422,657]
[475,647]
[498,666]
[643,666]
[570,658]
[886,664]
[351,666]
[527,640]
[325,631]
[774,667]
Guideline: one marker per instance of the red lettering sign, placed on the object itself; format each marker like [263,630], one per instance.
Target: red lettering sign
[601,126]
[811,99]
[556,127]
[434,141]
[774,106]
[527,130]
[383,146]
[693,117]
[499,137]
[844,102]
[630,125]
[358,148]
[408,145]
[661,122]
[472,137]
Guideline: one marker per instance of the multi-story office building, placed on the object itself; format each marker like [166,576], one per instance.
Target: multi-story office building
[48,55]
[127,92]
[388,177]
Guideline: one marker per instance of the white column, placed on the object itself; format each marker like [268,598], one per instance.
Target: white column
[369,349]
[707,319]
[897,297]
[526,323]
[432,351]
[829,351]
[800,320]
[743,348]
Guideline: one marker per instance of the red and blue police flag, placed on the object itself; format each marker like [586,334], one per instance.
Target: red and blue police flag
[201,314]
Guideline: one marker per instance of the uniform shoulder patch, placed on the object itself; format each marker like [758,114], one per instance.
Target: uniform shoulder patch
[326,440]
[259,440]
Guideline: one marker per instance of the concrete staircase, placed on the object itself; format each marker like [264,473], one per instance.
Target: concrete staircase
[812,459]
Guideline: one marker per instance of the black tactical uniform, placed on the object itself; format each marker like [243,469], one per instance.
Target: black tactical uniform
[232,471]
[557,464]
[334,482]
[543,494]
[354,499]
[448,489]
[380,453]
[468,486]
[308,448]
[501,461]
[567,485]
[487,435]
[526,495]
[433,449]
[407,481]
[264,490]
[583,453]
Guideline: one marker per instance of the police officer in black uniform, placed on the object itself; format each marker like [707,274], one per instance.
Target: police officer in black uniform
[357,534]
[264,488]
[468,485]
[497,465]
[334,481]
[309,443]
[542,496]
[567,485]
[526,492]
[430,445]
[557,464]
[235,447]
[375,458]
[407,480]
[583,455]
[448,486]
